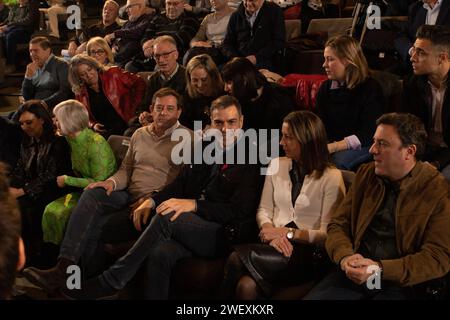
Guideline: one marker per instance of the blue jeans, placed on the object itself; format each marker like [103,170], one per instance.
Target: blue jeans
[336,286]
[162,244]
[350,159]
[85,224]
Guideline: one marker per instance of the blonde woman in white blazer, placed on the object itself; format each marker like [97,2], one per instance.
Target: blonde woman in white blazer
[289,230]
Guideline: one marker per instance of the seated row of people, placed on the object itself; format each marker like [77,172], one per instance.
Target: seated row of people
[186,218]
[350,91]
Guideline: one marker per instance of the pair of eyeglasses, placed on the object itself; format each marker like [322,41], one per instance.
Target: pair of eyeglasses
[96,52]
[160,108]
[162,55]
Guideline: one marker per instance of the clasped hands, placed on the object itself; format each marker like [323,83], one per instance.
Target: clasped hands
[355,268]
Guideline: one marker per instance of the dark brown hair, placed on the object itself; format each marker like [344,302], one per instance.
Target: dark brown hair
[310,132]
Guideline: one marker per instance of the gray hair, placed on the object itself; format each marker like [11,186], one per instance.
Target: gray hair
[165,38]
[72,116]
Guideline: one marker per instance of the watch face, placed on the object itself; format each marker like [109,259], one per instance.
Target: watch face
[290,235]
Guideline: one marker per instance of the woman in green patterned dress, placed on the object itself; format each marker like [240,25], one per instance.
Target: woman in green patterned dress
[92,160]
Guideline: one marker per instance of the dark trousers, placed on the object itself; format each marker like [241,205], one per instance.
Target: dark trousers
[11,39]
[336,286]
[160,246]
[86,222]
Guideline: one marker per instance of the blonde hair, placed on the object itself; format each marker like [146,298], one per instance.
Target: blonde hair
[102,44]
[72,116]
[348,49]
[205,62]
[79,59]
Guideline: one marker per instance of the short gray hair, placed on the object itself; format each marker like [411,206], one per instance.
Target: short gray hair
[72,116]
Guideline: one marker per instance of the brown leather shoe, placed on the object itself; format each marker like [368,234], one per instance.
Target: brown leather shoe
[50,280]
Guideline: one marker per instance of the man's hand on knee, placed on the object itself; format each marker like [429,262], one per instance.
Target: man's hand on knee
[178,206]
[142,213]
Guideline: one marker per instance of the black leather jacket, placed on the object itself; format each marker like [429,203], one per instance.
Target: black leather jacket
[40,162]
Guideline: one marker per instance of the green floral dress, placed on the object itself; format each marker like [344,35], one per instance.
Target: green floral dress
[92,160]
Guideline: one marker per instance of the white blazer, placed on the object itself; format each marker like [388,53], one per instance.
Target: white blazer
[313,206]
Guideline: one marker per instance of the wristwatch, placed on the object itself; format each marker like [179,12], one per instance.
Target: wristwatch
[290,234]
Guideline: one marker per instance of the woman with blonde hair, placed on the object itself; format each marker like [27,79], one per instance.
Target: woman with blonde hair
[203,85]
[92,161]
[349,102]
[110,94]
[100,50]
[300,192]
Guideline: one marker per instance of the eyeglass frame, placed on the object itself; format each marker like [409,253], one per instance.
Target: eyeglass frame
[159,108]
[96,52]
[156,57]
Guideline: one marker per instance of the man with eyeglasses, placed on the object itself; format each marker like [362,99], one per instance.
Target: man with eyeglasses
[175,22]
[125,41]
[390,233]
[108,25]
[426,93]
[146,168]
[169,74]
[256,31]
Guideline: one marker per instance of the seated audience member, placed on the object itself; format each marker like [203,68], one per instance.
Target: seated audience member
[92,160]
[190,215]
[204,85]
[146,168]
[12,252]
[426,93]
[22,21]
[10,138]
[175,23]
[349,102]
[169,74]
[46,76]
[432,12]
[299,194]
[199,8]
[43,157]
[393,224]
[4,12]
[110,94]
[211,33]
[126,41]
[107,26]
[100,50]
[256,31]
[56,7]
[264,104]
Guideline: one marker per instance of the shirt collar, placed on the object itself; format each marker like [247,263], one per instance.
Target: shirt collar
[171,76]
[336,85]
[47,61]
[437,5]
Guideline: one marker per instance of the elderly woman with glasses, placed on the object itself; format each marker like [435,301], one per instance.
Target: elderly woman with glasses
[110,94]
[100,50]
[92,161]
[43,157]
